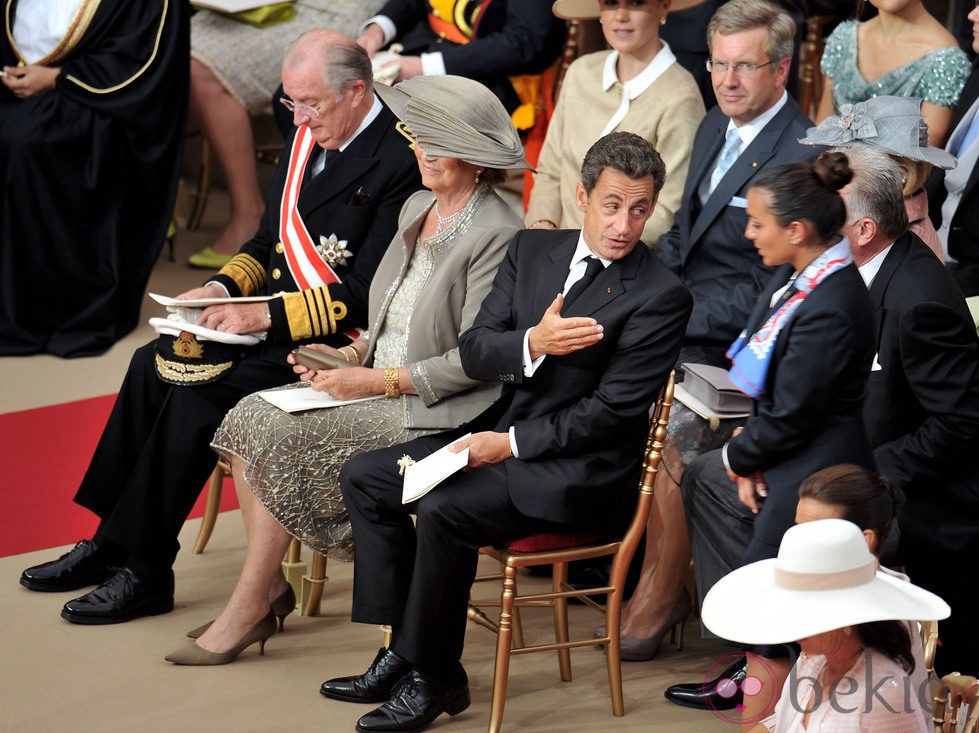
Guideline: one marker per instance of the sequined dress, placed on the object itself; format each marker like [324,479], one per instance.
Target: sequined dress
[936,77]
[292,460]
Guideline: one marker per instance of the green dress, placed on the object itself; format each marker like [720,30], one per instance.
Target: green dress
[936,77]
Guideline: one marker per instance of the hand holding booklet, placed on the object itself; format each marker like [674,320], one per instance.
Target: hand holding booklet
[424,475]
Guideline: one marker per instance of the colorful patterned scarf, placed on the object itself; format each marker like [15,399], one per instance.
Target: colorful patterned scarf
[751,357]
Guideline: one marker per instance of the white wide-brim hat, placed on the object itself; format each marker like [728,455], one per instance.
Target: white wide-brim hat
[824,578]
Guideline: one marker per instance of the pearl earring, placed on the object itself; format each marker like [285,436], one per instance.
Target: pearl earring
[476,179]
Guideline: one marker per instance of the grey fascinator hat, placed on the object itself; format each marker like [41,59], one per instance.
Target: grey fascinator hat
[455,117]
[894,124]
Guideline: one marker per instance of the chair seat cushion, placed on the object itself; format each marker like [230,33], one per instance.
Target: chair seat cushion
[551,541]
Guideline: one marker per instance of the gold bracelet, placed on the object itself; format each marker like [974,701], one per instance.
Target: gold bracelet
[353,352]
[391,386]
[543,221]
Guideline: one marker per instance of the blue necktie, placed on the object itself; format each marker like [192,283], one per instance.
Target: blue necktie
[729,154]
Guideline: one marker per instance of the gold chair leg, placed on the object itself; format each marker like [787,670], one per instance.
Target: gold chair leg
[501,670]
[312,590]
[387,631]
[214,486]
[294,568]
[200,194]
[559,577]
[613,617]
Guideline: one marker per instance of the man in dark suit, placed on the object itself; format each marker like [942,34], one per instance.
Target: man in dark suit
[154,454]
[560,451]
[751,45]
[922,405]
[483,40]
[953,196]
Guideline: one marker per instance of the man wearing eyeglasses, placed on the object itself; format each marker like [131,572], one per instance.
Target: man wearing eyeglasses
[330,215]
[754,125]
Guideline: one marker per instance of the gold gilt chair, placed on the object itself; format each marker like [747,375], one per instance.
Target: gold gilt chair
[957,695]
[558,551]
[307,586]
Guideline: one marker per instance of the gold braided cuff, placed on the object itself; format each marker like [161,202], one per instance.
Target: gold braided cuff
[391,386]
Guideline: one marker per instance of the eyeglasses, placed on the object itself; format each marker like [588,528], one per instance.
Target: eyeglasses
[299,107]
[740,69]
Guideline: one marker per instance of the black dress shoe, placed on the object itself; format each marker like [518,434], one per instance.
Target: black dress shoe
[712,695]
[124,596]
[374,685]
[85,564]
[416,702]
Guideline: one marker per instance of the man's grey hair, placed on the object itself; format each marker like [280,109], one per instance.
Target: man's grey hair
[738,16]
[875,191]
[344,60]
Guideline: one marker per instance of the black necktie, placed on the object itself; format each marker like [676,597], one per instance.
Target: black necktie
[595,266]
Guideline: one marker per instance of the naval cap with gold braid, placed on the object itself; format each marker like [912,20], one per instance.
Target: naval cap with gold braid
[455,117]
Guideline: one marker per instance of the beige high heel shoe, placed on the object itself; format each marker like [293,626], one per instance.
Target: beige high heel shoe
[642,650]
[195,656]
[282,606]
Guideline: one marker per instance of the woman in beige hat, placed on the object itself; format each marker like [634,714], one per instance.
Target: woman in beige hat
[637,87]
[427,289]
[825,591]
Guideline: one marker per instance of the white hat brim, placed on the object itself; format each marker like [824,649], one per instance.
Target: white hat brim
[746,606]
[576,9]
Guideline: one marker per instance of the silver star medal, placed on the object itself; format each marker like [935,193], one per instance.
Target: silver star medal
[334,251]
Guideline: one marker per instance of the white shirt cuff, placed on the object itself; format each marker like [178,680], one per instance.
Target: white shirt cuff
[530,365]
[513,442]
[724,458]
[220,285]
[385,24]
[433,64]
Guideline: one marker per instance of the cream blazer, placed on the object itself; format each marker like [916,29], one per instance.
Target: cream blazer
[666,114]
[465,265]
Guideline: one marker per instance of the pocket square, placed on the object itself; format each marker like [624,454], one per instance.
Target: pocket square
[741,203]
[875,366]
[360,197]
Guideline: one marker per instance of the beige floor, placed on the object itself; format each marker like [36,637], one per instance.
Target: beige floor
[55,676]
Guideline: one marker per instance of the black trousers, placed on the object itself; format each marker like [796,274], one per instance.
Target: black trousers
[154,454]
[417,577]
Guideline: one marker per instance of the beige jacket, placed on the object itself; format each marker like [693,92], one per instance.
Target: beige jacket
[465,265]
[666,114]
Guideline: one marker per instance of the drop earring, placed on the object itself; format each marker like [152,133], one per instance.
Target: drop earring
[476,179]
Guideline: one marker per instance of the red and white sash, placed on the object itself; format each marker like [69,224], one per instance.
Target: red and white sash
[308,268]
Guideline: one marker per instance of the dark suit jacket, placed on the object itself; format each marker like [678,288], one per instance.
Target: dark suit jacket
[581,420]
[963,234]
[511,37]
[358,198]
[707,247]
[922,407]
[810,415]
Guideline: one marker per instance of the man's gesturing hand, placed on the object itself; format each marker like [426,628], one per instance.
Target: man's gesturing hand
[557,336]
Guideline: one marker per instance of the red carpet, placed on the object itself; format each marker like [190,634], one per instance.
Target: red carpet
[46,452]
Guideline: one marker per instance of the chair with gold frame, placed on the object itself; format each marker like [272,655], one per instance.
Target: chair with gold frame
[568,548]
[957,695]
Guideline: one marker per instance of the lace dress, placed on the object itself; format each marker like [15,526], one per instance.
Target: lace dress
[936,77]
[228,47]
[293,460]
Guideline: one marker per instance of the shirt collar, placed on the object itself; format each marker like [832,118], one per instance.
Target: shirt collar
[638,84]
[371,115]
[583,250]
[870,268]
[750,130]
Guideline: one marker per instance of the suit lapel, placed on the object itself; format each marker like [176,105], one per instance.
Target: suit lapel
[751,160]
[763,307]
[349,165]
[607,286]
[551,277]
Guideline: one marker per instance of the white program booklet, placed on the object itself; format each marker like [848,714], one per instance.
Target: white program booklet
[306,398]
[204,302]
[429,472]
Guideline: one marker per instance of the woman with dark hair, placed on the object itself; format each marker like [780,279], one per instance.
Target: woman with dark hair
[826,591]
[804,357]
